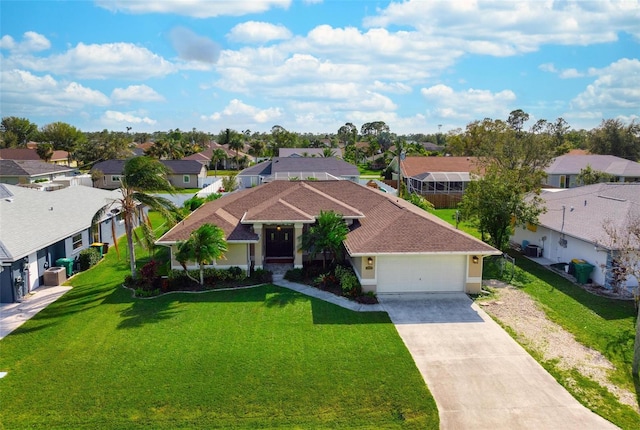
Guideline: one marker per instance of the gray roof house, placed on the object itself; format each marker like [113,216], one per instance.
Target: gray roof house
[29,171]
[185,173]
[40,227]
[286,168]
[572,227]
[564,170]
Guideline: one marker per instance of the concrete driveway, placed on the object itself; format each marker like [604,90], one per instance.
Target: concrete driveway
[479,376]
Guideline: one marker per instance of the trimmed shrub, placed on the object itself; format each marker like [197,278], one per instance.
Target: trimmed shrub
[348,281]
[294,275]
[88,258]
[262,276]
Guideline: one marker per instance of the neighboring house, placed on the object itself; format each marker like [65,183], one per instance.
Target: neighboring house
[441,180]
[184,173]
[286,168]
[564,170]
[40,227]
[58,157]
[30,171]
[572,227]
[227,163]
[393,246]
[307,152]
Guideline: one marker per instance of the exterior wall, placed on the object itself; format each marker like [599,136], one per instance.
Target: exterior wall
[177,181]
[365,272]
[576,249]
[474,275]
[237,255]
[108,182]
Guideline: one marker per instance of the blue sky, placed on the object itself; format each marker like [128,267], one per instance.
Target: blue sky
[312,66]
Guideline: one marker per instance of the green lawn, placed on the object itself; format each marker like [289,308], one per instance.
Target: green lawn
[448,215]
[265,357]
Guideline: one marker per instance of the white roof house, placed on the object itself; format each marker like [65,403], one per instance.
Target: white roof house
[40,227]
[573,225]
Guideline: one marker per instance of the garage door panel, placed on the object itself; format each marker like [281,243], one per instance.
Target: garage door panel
[437,273]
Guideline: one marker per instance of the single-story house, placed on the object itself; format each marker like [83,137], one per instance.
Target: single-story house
[572,227]
[40,227]
[564,170]
[393,246]
[57,157]
[286,168]
[30,171]
[184,173]
[227,163]
[441,180]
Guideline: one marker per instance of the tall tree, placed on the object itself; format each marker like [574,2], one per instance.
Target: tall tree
[233,140]
[140,176]
[45,151]
[614,138]
[104,145]
[216,157]
[204,245]
[348,134]
[373,129]
[511,164]
[17,132]
[494,201]
[62,136]
[325,237]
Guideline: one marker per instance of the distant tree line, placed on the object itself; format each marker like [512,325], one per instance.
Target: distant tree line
[372,145]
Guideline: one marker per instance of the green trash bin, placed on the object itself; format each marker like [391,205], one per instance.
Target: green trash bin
[583,272]
[67,263]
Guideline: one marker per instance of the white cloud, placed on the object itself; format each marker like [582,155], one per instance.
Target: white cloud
[101,61]
[193,8]
[239,111]
[31,42]
[468,105]
[116,119]
[617,87]
[258,32]
[507,28]
[570,74]
[136,93]
[192,47]
[44,93]
[391,87]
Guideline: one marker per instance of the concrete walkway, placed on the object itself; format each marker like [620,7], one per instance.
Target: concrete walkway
[13,315]
[327,297]
[479,376]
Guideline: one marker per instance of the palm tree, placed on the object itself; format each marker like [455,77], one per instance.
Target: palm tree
[325,236]
[328,152]
[217,156]
[205,244]
[140,175]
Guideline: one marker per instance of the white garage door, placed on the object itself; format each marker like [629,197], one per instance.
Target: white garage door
[432,273]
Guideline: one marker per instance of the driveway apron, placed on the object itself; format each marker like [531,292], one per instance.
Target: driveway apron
[479,376]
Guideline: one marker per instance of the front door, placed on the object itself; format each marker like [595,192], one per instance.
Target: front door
[279,242]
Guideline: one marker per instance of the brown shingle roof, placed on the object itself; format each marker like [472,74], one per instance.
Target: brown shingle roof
[382,223]
[414,166]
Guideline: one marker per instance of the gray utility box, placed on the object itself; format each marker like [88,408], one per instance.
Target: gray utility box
[54,276]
